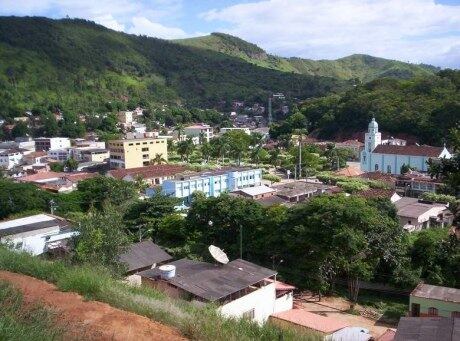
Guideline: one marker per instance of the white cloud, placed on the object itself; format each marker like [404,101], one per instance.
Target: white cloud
[109,21]
[142,25]
[409,30]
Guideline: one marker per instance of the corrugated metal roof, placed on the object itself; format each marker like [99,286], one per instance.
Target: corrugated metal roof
[428,329]
[143,254]
[32,223]
[437,293]
[213,282]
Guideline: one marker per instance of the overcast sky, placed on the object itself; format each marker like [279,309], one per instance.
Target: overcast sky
[419,31]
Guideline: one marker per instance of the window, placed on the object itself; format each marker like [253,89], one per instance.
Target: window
[145,149]
[145,156]
[364,157]
[389,169]
[249,315]
[376,167]
[432,311]
[455,314]
[415,310]
[138,144]
[18,246]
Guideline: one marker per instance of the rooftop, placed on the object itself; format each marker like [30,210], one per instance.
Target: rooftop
[295,188]
[412,208]
[413,150]
[148,171]
[323,324]
[143,254]
[257,190]
[213,282]
[437,293]
[427,329]
[31,223]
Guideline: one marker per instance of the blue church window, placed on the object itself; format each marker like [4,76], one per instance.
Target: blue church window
[376,167]
[389,169]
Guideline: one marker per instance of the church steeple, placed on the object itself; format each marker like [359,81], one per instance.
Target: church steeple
[372,138]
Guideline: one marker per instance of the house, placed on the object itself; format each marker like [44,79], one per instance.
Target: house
[372,193]
[47,143]
[298,191]
[91,154]
[211,183]
[56,182]
[256,192]
[390,158]
[26,143]
[432,300]
[36,234]
[35,158]
[349,171]
[125,118]
[303,320]
[427,329]
[136,153]
[239,288]
[10,158]
[60,155]
[152,175]
[415,183]
[354,145]
[415,215]
[200,130]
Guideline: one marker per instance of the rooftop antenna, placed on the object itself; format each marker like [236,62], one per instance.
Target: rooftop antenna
[218,254]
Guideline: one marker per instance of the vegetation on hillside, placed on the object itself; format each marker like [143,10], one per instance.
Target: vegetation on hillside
[355,67]
[79,66]
[425,108]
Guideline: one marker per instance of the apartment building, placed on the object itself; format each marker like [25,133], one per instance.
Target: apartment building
[47,143]
[200,130]
[212,183]
[136,152]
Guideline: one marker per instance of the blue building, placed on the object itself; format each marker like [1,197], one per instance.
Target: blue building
[211,183]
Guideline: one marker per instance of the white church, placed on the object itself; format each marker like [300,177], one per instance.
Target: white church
[388,158]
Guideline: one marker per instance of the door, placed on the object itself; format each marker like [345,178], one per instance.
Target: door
[415,311]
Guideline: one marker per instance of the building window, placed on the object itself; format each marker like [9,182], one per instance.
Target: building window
[455,314]
[389,169]
[415,311]
[18,246]
[145,149]
[376,168]
[364,157]
[249,315]
[432,311]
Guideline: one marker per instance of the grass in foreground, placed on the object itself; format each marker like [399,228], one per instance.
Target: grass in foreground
[199,323]
[20,323]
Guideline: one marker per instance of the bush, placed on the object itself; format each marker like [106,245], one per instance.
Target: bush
[441,198]
[271,177]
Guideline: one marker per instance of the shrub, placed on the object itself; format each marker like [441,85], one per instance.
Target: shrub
[271,177]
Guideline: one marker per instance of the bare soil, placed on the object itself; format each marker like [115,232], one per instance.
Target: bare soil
[94,320]
[338,308]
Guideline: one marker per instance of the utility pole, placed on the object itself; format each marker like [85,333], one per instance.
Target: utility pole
[270,117]
[300,155]
[53,206]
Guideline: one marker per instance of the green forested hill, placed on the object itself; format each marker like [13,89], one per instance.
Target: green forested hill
[79,66]
[357,66]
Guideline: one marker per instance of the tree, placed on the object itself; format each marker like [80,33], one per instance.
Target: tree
[72,126]
[238,143]
[71,164]
[333,236]
[185,149]
[101,238]
[158,159]
[20,130]
[405,169]
[101,190]
[144,217]
[179,128]
[50,125]
[206,151]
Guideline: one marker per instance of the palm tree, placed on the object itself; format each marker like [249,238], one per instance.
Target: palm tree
[185,148]
[180,130]
[158,159]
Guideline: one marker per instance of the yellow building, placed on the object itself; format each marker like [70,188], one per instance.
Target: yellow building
[135,153]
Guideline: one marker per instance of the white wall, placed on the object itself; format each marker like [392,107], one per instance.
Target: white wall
[284,303]
[261,300]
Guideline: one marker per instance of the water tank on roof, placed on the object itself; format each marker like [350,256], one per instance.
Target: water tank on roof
[167,271]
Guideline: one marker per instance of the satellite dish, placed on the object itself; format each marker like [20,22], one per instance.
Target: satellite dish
[218,254]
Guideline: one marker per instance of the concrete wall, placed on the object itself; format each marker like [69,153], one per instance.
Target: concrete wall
[284,303]
[261,300]
[445,309]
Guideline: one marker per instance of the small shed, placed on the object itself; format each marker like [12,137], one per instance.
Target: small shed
[143,256]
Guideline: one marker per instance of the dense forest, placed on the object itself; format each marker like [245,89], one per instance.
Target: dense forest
[425,108]
[77,65]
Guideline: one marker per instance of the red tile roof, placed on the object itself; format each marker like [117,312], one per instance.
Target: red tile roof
[378,176]
[412,150]
[40,176]
[323,324]
[349,171]
[389,335]
[148,171]
[376,193]
[75,177]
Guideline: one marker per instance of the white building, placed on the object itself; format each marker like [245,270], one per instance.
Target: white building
[243,129]
[59,154]
[10,158]
[239,288]
[199,130]
[26,143]
[35,234]
[390,158]
[47,143]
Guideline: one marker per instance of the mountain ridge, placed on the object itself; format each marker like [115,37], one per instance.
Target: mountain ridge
[360,66]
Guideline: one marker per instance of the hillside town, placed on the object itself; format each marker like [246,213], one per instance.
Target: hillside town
[241,161]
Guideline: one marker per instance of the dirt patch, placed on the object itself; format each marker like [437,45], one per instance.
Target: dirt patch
[337,307]
[99,320]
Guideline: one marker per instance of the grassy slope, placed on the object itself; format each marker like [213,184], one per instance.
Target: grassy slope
[363,67]
[78,65]
[18,322]
[198,323]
